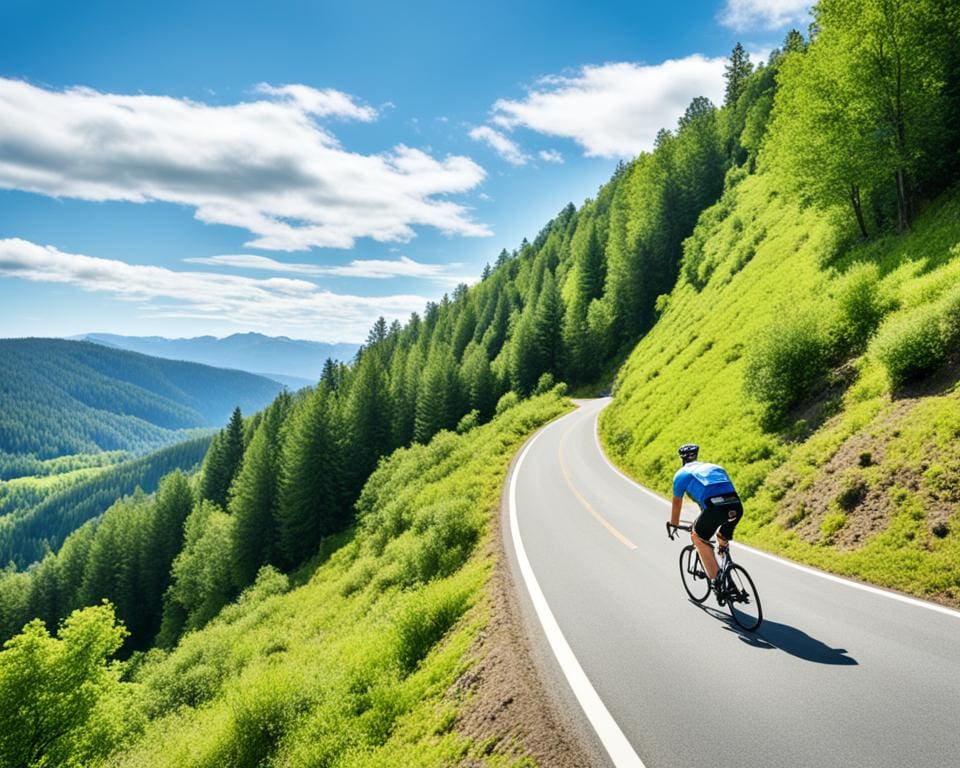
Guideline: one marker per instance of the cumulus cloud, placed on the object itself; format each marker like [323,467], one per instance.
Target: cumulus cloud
[743,15]
[550,156]
[265,165]
[616,109]
[296,306]
[376,269]
[504,146]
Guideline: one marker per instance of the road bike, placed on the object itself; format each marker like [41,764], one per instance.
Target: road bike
[738,591]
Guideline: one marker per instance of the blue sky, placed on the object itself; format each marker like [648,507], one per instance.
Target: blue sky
[298,168]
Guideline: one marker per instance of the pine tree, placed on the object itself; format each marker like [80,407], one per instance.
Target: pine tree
[223,461]
[736,71]
[311,491]
[253,501]
[369,418]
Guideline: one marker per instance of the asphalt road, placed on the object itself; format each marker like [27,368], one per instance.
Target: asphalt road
[837,675]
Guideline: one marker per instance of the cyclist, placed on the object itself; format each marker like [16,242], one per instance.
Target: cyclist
[720,509]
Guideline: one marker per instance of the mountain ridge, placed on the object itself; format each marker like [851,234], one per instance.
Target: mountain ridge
[272,356]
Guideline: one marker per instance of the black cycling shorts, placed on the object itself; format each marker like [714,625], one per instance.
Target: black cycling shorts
[721,513]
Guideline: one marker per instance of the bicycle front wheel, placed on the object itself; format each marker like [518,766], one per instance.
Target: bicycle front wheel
[695,579]
[742,599]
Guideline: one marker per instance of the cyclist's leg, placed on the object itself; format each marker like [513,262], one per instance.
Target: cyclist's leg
[731,516]
[704,527]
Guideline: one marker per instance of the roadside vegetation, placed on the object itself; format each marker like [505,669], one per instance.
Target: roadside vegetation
[351,660]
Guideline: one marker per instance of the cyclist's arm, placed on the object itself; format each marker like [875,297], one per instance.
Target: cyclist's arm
[675,510]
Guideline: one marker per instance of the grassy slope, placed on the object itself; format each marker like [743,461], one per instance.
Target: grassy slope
[684,382]
[356,666]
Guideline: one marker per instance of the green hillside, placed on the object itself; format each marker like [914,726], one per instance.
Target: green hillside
[354,661]
[71,397]
[858,475]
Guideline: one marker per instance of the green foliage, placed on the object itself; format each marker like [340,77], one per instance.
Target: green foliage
[60,699]
[354,666]
[41,521]
[311,500]
[861,305]
[786,363]
[862,116]
[832,523]
[468,422]
[914,343]
[202,577]
[223,461]
[508,401]
[685,380]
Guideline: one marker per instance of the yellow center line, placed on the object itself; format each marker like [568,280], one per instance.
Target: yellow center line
[586,504]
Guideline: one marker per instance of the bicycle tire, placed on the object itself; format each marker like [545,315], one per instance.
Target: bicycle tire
[694,578]
[742,598]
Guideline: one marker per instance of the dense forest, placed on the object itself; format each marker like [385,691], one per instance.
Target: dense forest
[856,122]
[36,517]
[72,397]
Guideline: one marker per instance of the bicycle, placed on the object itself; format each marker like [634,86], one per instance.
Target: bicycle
[739,593]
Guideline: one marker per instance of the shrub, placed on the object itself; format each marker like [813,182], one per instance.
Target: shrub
[912,344]
[507,402]
[790,358]
[544,384]
[468,422]
[832,523]
[425,619]
[854,491]
[861,305]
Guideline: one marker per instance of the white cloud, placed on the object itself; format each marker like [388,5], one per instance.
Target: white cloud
[271,305]
[377,269]
[319,102]
[265,166]
[550,156]
[616,109]
[745,15]
[508,149]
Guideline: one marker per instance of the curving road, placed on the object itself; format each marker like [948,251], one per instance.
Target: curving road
[838,675]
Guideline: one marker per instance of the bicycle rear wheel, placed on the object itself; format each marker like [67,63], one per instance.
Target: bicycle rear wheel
[742,598]
[695,579]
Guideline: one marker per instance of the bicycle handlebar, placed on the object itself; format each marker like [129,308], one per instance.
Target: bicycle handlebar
[672,529]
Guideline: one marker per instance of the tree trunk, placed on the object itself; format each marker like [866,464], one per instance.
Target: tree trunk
[858,210]
[903,202]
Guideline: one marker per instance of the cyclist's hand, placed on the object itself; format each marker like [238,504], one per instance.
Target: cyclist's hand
[671,530]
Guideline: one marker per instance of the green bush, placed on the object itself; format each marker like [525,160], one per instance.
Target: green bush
[861,305]
[468,422]
[832,523]
[787,362]
[913,344]
[507,402]
[544,384]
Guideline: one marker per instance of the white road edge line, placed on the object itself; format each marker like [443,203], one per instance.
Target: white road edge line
[813,571]
[621,752]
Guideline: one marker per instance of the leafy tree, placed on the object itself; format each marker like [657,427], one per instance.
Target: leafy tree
[55,692]
[202,577]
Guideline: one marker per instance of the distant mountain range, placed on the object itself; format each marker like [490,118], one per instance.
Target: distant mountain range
[293,362]
[60,397]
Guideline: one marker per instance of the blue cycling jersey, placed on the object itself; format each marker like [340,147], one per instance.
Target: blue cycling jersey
[702,481]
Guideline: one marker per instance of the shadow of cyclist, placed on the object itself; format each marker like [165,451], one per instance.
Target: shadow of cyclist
[788,639]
